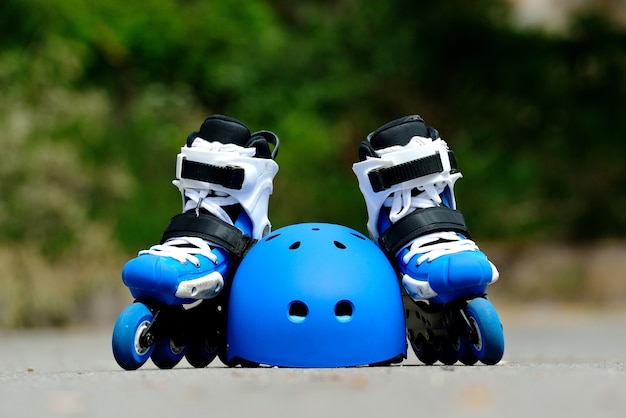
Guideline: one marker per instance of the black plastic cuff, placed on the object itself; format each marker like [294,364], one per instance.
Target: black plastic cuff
[211,229]
[421,222]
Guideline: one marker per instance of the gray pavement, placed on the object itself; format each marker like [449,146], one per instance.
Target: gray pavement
[558,362]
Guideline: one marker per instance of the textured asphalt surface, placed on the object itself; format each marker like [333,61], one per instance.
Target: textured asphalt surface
[557,363]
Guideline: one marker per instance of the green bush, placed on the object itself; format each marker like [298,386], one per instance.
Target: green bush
[97,98]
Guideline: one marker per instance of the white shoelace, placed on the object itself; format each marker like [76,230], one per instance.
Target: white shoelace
[434,245]
[185,249]
[210,201]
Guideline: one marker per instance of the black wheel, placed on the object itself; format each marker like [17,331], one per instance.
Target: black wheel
[201,353]
[449,353]
[426,352]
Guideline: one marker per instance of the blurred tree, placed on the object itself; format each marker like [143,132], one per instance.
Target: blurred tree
[110,90]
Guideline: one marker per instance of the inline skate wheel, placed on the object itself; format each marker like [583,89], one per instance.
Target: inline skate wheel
[450,351]
[426,352]
[129,349]
[167,353]
[487,343]
[464,353]
[201,353]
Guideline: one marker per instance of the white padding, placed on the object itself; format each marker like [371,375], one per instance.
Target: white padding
[416,149]
[257,185]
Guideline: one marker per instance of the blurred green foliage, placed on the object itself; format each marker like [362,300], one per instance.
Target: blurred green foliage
[97,97]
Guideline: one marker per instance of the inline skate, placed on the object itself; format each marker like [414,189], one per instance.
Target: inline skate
[406,174]
[225,176]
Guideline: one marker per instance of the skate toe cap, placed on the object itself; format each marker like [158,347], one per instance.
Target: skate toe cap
[150,273]
[461,270]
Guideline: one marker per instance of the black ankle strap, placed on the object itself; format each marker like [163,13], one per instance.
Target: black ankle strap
[227,176]
[211,229]
[384,178]
[419,223]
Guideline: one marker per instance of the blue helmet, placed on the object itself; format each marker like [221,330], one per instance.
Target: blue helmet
[315,295]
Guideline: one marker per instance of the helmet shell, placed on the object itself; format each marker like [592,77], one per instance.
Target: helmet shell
[315,295]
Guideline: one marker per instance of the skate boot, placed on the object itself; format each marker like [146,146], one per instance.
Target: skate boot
[224,174]
[406,174]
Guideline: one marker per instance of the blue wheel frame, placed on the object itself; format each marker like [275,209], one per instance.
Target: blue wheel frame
[488,344]
[166,353]
[129,327]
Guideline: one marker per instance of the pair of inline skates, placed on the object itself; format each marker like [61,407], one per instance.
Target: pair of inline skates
[225,173]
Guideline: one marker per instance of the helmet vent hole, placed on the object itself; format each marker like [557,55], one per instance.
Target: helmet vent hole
[315,229]
[344,310]
[358,236]
[271,237]
[298,311]
[295,245]
[339,245]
